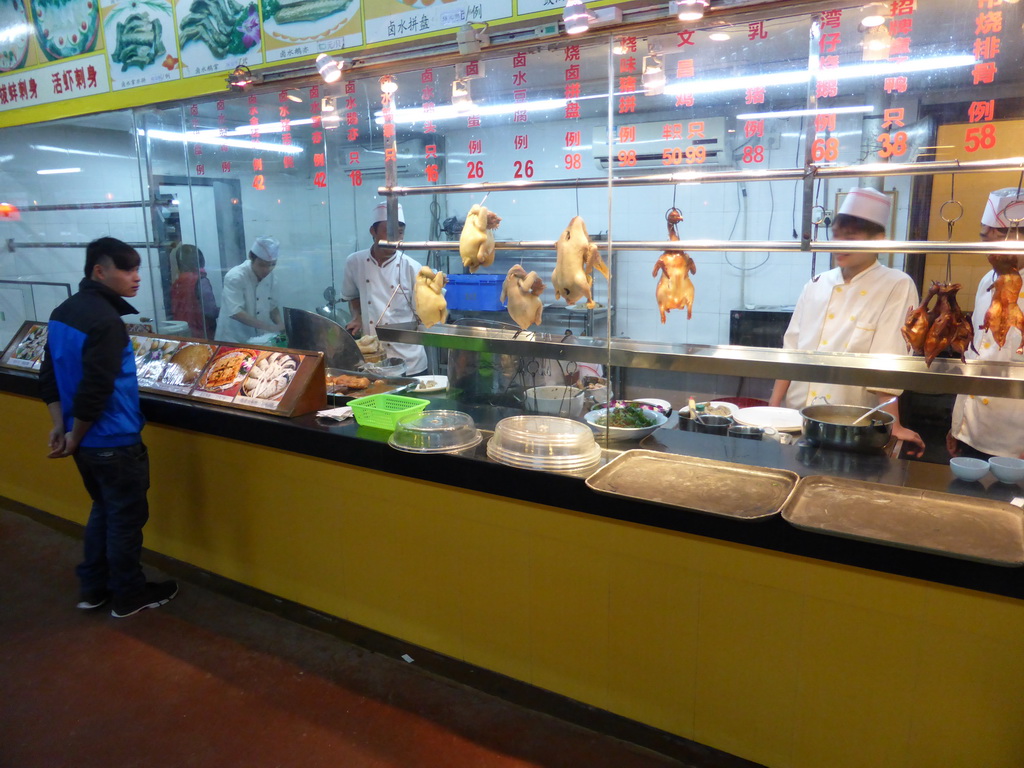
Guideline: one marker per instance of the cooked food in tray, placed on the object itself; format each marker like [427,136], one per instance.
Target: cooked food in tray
[227,368]
[31,347]
[476,243]
[576,259]
[151,355]
[675,289]
[186,364]
[347,381]
[371,348]
[270,375]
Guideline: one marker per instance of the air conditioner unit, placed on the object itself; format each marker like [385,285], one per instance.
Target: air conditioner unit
[668,146]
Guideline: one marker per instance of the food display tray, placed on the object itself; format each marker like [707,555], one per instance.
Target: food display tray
[692,483]
[379,385]
[970,528]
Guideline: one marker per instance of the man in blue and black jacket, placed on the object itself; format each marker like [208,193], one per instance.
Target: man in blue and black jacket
[89,384]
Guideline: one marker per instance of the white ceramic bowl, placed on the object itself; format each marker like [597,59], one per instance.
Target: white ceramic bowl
[555,400]
[968,469]
[1007,470]
[624,433]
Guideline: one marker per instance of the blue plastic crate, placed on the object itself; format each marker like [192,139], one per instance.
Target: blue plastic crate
[474,292]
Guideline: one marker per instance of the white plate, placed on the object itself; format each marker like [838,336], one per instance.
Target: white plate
[784,419]
[733,408]
[431,383]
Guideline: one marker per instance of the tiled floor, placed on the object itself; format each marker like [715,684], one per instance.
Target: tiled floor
[207,681]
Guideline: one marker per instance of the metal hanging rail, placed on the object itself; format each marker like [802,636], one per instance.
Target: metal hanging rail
[924,168]
[792,246]
[945,376]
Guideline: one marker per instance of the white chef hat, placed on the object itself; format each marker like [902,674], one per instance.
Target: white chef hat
[869,204]
[265,248]
[997,216]
[380,213]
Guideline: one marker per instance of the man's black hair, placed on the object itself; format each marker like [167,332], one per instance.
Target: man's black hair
[122,255]
[857,224]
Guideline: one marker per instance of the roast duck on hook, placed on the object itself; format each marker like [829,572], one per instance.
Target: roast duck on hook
[1004,312]
[930,331]
[675,289]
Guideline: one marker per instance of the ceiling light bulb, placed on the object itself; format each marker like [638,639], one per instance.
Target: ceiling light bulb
[874,20]
[718,37]
[576,17]
[241,78]
[328,68]
[388,84]
[689,10]
[619,47]
[293,97]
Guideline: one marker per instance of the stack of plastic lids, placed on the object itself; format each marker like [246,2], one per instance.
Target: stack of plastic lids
[544,442]
[435,432]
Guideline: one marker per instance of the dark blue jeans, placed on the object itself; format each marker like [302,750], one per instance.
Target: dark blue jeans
[117,480]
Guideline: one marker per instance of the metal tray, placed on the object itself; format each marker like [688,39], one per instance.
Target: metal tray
[970,528]
[379,385]
[692,483]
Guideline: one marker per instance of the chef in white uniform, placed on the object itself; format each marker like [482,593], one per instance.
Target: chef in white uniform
[248,304]
[859,306]
[992,426]
[379,275]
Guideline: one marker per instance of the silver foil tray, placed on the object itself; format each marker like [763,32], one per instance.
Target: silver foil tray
[696,484]
[970,528]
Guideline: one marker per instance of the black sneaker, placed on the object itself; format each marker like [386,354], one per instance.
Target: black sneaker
[92,599]
[154,595]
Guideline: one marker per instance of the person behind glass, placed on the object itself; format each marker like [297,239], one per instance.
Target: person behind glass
[192,299]
[381,277]
[249,301]
[859,306]
[89,385]
[992,426]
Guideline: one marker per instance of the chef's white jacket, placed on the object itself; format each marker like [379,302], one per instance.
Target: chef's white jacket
[993,425]
[244,292]
[373,284]
[864,315]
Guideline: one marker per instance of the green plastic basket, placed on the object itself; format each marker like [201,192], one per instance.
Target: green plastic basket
[384,411]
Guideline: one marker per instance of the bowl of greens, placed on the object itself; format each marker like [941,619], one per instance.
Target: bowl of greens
[625,422]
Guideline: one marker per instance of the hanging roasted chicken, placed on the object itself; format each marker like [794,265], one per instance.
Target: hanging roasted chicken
[930,331]
[675,289]
[577,257]
[522,291]
[428,295]
[1004,312]
[476,243]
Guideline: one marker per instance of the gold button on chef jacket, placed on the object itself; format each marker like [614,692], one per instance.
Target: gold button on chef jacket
[878,298]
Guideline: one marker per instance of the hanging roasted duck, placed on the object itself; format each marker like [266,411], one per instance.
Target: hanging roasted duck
[576,259]
[918,322]
[675,289]
[951,329]
[1004,313]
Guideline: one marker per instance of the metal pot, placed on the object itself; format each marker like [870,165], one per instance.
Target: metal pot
[829,426]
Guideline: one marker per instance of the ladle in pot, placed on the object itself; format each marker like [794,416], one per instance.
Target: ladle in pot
[878,407]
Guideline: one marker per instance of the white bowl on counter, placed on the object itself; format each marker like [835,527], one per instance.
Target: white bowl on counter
[966,468]
[625,433]
[555,401]
[1007,470]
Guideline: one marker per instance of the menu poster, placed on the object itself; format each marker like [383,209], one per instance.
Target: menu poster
[268,379]
[151,356]
[140,45]
[184,368]
[384,23]
[224,376]
[27,351]
[299,28]
[15,33]
[218,35]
